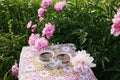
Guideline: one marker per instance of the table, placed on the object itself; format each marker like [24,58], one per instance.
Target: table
[30,68]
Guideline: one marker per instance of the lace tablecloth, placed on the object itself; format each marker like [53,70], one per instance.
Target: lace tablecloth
[30,68]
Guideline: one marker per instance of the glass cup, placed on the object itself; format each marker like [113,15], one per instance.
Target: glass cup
[46,56]
[64,58]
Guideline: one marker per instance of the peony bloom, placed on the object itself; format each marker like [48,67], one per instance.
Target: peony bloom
[60,5]
[82,61]
[32,39]
[41,19]
[116,18]
[29,24]
[34,27]
[15,69]
[48,30]
[115,30]
[41,12]
[41,44]
[46,3]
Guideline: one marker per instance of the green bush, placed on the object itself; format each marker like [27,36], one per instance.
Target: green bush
[86,23]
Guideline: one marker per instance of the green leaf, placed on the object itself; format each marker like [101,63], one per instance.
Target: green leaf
[6,75]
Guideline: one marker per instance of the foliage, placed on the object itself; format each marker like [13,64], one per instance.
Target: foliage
[86,23]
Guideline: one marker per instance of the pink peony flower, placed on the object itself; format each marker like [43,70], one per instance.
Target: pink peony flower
[29,24]
[46,3]
[60,5]
[48,30]
[116,18]
[41,12]
[32,39]
[115,30]
[34,27]
[41,19]
[15,69]
[41,44]
[82,61]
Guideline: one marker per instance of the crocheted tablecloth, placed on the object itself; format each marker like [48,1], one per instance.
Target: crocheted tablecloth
[30,68]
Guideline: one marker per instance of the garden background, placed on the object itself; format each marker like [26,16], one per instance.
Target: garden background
[86,23]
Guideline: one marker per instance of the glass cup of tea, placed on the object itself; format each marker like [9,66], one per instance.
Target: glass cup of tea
[64,58]
[46,56]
